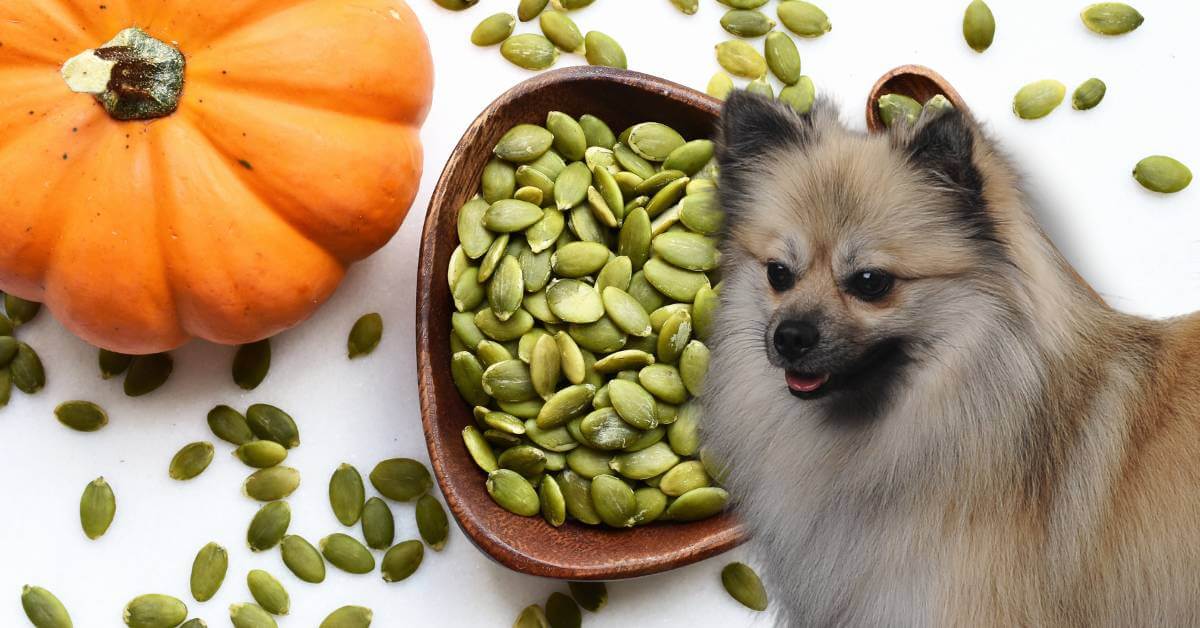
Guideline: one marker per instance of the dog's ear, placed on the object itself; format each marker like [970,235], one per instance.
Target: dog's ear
[945,146]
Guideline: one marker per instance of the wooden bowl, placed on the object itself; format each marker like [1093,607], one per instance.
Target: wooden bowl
[914,81]
[529,544]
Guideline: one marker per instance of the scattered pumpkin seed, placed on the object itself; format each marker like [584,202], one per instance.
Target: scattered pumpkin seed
[191,460]
[1038,99]
[800,96]
[346,494]
[743,585]
[592,596]
[529,9]
[979,26]
[261,454]
[155,610]
[269,526]
[208,571]
[432,523]
[270,423]
[401,479]
[402,560]
[804,18]
[719,86]
[43,609]
[493,29]
[147,373]
[456,5]
[1088,94]
[26,370]
[348,617]
[783,59]
[529,51]
[251,364]
[113,363]
[302,559]
[20,311]
[1160,173]
[268,485]
[1111,18]
[561,30]
[604,50]
[229,425]
[746,23]
[378,525]
[97,508]
[347,553]
[250,616]
[365,335]
[532,617]
[268,592]
[82,416]
[562,611]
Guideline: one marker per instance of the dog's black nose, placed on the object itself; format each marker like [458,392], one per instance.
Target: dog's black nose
[794,338]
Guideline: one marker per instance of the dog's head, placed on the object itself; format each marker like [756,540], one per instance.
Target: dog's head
[848,256]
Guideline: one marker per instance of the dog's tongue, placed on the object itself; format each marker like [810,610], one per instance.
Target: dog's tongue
[805,383]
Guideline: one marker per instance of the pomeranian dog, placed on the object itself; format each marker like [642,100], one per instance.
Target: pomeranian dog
[927,418]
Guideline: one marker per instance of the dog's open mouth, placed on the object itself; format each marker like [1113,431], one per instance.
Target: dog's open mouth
[806,385]
[877,366]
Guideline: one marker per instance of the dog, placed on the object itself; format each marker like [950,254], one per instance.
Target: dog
[924,415]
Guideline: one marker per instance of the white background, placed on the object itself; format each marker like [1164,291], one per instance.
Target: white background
[1140,250]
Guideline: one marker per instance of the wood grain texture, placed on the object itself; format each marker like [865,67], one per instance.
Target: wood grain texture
[915,81]
[528,544]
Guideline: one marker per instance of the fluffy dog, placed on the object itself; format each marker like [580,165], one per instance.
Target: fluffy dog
[927,417]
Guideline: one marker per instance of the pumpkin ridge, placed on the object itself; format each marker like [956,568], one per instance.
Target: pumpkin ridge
[247,18]
[56,25]
[261,91]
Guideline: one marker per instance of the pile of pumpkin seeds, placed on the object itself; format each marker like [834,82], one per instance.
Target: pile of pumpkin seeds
[582,286]
[20,366]
[559,33]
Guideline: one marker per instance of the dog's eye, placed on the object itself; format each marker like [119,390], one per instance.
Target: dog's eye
[780,276]
[869,285]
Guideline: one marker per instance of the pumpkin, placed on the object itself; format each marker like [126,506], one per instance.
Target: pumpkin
[179,168]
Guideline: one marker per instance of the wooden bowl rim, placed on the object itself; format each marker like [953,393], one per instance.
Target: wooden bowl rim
[875,122]
[495,546]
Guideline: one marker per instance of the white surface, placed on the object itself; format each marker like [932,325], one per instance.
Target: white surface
[1140,250]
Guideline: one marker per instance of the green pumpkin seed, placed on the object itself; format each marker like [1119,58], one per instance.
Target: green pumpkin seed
[208,571]
[268,526]
[783,59]
[803,18]
[898,109]
[346,494]
[507,288]
[543,233]
[653,141]
[699,503]
[693,366]
[555,439]
[261,454]
[96,508]
[527,342]
[512,492]
[761,87]
[511,215]
[659,317]
[499,179]
[270,423]
[147,373]
[401,479]
[195,622]
[347,553]
[573,366]
[6,326]
[614,501]
[577,494]
[113,363]
[524,459]
[1038,99]
[579,259]
[592,596]
[665,198]
[1160,173]
[517,324]
[493,29]
[271,484]
[601,157]
[690,157]
[687,7]
[535,267]
[480,452]
[553,505]
[1111,18]
[645,463]
[746,23]
[628,182]
[545,366]
[979,26]
[743,585]
[82,416]
[632,162]
[1088,94]
[456,5]
[251,364]
[26,370]
[43,609]
[562,611]
[467,374]
[699,212]
[268,592]
[684,477]
[191,460]
[800,96]
[664,382]
[569,138]
[378,524]
[658,181]
[703,309]
[689,251]
[674,336]
[154,610]
[250,616]
[574,301]
[651,504]
[719,86]
[684,433]
[509,380]
[741,59]
[472,236]
[610,192]
[525,142]
[623,360]
[633,404]
[529,9]
[349,617]
[615,274]
[561,30]
[529,51]
[601,336]
[635,238]
[302,559]
[19,310]
[532,617]
[571,186]
[564,405]
[600,209]
[743,4]
[432,523]
[676,283]
[550,164]
[365,335]
[604,429]
[604,50]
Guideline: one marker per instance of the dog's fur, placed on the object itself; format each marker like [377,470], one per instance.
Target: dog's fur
[1002,448]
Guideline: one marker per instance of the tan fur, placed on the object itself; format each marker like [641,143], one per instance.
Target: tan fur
[1040,465]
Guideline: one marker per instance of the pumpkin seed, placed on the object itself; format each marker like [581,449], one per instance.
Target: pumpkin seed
[208,571]
[154,610]
[610,192]
[525,142]
[472,236]
[402,560]
[693,366]
[719,86]
[684,433]
[622,360]
[26,370]
[97,508]
[302,559]
[614,501]
[803,18]
[261,454]
[632,162]
[8,350]
[600,209]
[676,283]
[378,524]
[349,617]
[517,324]
[561,30]
[493,29]
[1160,173]
[513,492]
[633,404]
[571,186]
[688,158]
[270,423]
[347,553]
[6,326]
[562,611]
[365,335]
[744,585]
[147,373]
[577,495]
[529,51]
[687,7]
[635,238]
[898,109]
[564,405]
[401,479]
[346,494]
[509,381]
[507,288]
[82,416]
[113,363]
[604,429]
[543,233]
[979,26]
[1111,18]
[191,460]
[20,311]
[499,178]
[665,198]
[553,505]
[456,5]
[535,267]
[746,23]
[43,609]
[615,274]
[1038,99]
[604,50]
[250,616]
[529,9]
[800,96]
[664,382]
[550,164]
[467,374]
[268,592]
[509,215]
[741,59]
[532,617]
[660,316]
[674,336]
[654,141]
[572,361]
[251,364]
[628,182]
[545,367]
[686,250]
[579,259]
[703,309]
[783,59]
[195,622]
[601,336]
[269,526]
[1088,94]
[761,87]
[643,464]
[432,523]
[589,462]
[684,477]
[524,459]
[274,483]
[699,503]
[574,301]
[601,157]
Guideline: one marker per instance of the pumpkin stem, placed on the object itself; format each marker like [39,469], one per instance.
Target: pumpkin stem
[134,76]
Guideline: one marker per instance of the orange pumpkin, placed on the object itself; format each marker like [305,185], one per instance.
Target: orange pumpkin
[292,151]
